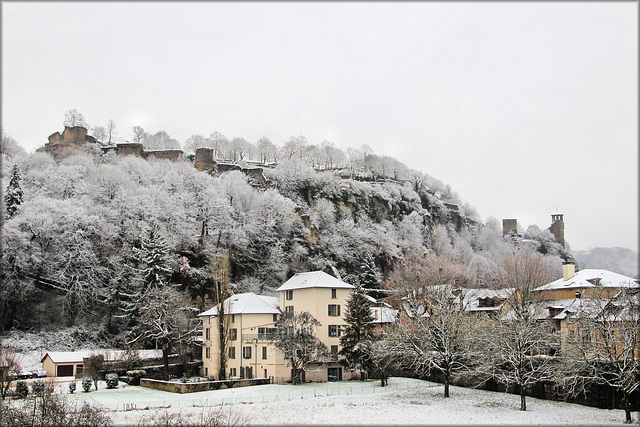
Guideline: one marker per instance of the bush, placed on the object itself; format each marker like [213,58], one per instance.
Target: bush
[72,387]
[86,384]
[112,380]
[53,410]
[22,390]
[37,388]
[135,375]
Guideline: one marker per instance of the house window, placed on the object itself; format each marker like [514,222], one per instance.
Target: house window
[264,352]
[79,369]
[206,371]
[289,309]
[233,318]
[232,352]
[333,330]
[334,352]
[206,334]
[289,295]
[207,352]
[246,352]
[333,293]
[233,334]
[275,317]
[233,372]
[334,309]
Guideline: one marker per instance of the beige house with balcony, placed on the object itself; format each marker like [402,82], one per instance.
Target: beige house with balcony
[251,322]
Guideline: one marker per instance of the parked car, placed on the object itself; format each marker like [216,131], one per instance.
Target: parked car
[39,373]
[25,375]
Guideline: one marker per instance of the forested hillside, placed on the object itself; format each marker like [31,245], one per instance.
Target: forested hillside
[86,233]
[619,260]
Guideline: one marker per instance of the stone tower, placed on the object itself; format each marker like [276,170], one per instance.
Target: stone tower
[557,228]
[509,226]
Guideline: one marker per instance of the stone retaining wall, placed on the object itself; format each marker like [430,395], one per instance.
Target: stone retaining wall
[180,387]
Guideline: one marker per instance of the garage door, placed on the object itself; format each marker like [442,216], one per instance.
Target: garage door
[64,371]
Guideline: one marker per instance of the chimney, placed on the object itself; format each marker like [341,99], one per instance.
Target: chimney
[568,270]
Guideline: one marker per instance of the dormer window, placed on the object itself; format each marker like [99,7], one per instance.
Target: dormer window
[595,281]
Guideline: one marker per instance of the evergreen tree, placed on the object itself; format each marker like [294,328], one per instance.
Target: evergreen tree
[369,276]
[358,334]
[154,257]
[13,198]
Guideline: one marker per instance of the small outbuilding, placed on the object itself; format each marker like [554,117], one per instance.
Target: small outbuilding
[71,363]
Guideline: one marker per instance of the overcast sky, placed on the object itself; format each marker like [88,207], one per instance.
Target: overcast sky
[523,108]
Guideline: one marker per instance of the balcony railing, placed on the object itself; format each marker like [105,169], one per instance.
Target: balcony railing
[258,337]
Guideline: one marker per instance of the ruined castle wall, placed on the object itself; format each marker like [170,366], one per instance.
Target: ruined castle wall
[172,155]
[133,149]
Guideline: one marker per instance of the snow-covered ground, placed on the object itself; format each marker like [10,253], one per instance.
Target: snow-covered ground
[404,401]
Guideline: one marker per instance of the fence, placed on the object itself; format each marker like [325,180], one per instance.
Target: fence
[298,392]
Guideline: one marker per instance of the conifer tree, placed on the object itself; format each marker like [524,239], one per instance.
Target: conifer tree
[358,334]
[13,197]
[154,256]
[369,276]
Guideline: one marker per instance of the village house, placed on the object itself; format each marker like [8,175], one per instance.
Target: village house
[589,292]
[250,321]
[73,363]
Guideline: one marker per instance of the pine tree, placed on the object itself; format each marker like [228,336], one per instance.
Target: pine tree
[13,197]
[358,334]
[154,257]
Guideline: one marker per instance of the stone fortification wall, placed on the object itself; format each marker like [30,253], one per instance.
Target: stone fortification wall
[172,155]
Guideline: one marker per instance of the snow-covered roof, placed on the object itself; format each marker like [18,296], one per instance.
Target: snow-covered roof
[109,355]
[247,303]
[384,314]
[472,298]
[592,278]
[313,279]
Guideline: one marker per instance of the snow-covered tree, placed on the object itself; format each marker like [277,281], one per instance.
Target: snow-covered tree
[358,332]
[154,258]
[433,334]
[603,346]
[516,349]
[14,194]
[296,339]
[167,321]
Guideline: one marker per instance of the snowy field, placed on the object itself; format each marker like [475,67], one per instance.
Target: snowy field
[404,401]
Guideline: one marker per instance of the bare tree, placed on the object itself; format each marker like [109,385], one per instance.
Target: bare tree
[296,339]
[99,133]
[138,134]
[515,349]
[9,365]
[433,334]
[166,321]
[194,142]
[220,273]
[111,129]
[604,346]
[219,143]
[267,150]
[73,118]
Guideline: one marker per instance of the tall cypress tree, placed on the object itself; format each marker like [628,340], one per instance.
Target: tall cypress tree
[358,334]
[13,197]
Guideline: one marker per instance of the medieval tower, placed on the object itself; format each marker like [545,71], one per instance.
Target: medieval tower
[557,228]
